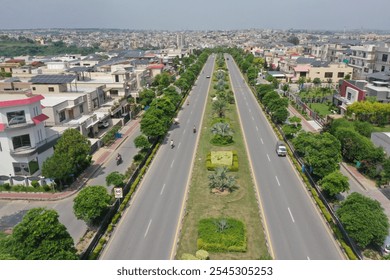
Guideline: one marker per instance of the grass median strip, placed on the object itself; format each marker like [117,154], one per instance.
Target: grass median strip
[241,204]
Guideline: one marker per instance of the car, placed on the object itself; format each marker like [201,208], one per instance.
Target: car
[17,120]
[208,77]
[103,124]
[281,149]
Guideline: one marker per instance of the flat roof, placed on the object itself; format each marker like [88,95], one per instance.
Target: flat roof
[52,79]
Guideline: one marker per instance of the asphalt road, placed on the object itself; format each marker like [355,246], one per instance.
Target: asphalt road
[12,211]
[295,229]
[148,228]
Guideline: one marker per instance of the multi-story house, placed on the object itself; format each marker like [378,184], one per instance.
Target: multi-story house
[362,61]
[382,60]
[24,141]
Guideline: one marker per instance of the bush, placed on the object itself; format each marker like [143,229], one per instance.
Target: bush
[202,255]
[116,218]
[35,184]
[214,237]
[138,157]
[219,140]
[7,186]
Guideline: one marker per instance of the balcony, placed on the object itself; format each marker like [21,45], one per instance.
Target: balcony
[40,147]
[24,151]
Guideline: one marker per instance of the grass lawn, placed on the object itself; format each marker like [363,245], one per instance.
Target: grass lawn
[240,204]
[385,128]
[322,108]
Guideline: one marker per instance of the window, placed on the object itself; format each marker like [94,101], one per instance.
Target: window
[16,117]
[384,57]
[95,103]
[364,54]
[349,95]
[383,68]
[51,89]
[81,109]
[328,74]
[62,116]
[340,75]
[21,168]
[34,88]
[117,78]
[21,141]
[35,111]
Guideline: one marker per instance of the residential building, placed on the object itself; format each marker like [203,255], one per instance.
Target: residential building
[24,141]
[349,92]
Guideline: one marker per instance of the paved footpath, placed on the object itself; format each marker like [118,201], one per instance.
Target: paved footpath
[98,158]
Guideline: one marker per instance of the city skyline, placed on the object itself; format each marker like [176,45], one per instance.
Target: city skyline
[172,15]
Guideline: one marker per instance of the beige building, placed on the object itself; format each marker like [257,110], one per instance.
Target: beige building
[327,73]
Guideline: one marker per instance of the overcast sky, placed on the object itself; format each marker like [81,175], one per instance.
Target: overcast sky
[179,15]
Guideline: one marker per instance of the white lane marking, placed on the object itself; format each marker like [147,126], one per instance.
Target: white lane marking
[178,145]
[308,258]
[277,180]
[184,131]
[292,218]
[257,128]
[162,190]
[147,229]
[268,158]
[261,139]
[172,163]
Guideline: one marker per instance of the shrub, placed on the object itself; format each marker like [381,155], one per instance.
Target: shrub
[218,236]
[202,255]
[35,184]
[219,140]
[116,218]
[138,157]
[7,186]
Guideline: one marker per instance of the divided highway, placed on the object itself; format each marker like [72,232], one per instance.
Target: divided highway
[148,228]
[295,228]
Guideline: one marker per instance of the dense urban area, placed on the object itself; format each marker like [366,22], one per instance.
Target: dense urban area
[194,145]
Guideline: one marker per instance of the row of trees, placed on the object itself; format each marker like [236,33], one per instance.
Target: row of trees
[273,102]
[373,112]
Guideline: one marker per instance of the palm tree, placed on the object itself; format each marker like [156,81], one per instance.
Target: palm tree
[222,129]
[219,107]
[221,181]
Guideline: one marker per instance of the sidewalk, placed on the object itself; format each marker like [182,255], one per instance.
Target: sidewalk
[98,158]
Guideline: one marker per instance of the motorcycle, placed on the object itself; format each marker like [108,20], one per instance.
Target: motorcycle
[118,159]
[194,129]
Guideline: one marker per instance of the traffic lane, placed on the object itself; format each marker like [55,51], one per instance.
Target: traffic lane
[127,149]
[149,198]
[293,175]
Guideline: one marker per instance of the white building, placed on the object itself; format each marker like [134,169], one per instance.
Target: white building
[24,141]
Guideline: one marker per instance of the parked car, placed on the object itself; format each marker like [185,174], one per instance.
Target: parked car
[281,149]
[103,124]
[208,77]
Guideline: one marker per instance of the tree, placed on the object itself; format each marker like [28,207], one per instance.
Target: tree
[316,81]
[364,220]
[39,236]
[293,40]
[219,107]
[334,183]
[146,97]
[280,115]
[153,124]
[91,203]
[221,181]
[142,142]
[319,151]
[115,178]
[71,156]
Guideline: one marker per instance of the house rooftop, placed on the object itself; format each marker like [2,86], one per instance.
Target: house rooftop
[52,79]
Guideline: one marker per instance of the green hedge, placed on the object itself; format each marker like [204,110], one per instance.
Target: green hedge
[232,168]
[231,239]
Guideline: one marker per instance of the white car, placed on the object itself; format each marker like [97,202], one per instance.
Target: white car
[386,246]
[103,124]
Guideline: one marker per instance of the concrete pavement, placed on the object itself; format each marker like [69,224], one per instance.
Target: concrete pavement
[98,158]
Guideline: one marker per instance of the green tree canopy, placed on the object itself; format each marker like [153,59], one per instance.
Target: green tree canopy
[219,107]
[91,203]
[364,220]
[115,178]
[334,183]
[39,236]
[142,142]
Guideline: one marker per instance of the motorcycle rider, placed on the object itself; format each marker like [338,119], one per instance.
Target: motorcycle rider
[172,144]
[194,129]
